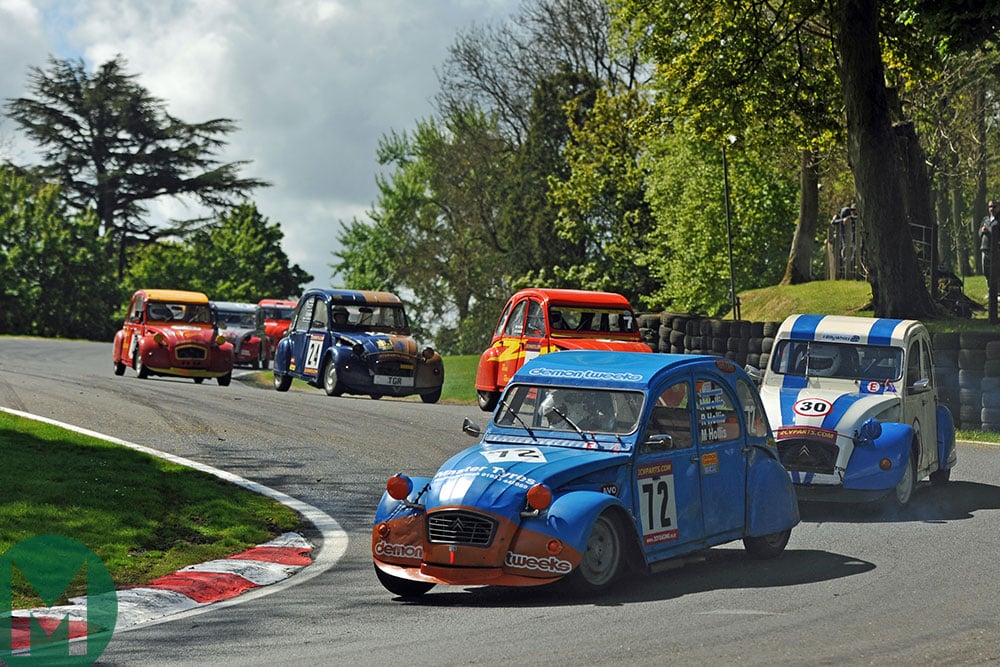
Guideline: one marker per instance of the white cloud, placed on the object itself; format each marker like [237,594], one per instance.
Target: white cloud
[312,84]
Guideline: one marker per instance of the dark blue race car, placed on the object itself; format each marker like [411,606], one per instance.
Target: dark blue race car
[593,462]
[356,342]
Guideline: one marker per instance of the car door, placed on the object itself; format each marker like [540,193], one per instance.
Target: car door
[133,327]
[667,480]
[723,455]
[300,333]
[920,402]
[511,342]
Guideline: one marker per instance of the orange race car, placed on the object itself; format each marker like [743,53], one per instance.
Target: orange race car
[536,321]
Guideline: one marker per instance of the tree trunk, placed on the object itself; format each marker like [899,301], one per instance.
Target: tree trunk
[898,288]
[799,267]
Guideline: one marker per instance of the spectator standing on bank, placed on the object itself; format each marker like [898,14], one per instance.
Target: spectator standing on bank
[986,236]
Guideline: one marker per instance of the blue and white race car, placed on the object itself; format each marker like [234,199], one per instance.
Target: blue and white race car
[855,408]
[593,462]
[356,342]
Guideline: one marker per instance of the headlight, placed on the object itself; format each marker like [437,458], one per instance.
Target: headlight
[539,497]
[869,432]
[428,353]
[358,350]
[159,338]
[399,487]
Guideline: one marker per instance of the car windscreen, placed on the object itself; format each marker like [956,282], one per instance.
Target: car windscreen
[237,318]
[570,410]
[837,360]
[591,321]
[166,311]
[374,317]
[275,313]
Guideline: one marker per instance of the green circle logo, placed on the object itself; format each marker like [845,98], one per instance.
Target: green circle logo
[61,635]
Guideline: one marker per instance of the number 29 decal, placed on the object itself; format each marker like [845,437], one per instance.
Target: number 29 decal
[812,407]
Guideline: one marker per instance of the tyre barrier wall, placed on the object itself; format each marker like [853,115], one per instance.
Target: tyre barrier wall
[967,364]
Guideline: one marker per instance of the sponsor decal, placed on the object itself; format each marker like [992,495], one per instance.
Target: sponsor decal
[710,463]
[610,489]
[810,432]
[839,338]
[585,374]
[494,473]
[410,551]
[549,564]
[658,507]
[812,407]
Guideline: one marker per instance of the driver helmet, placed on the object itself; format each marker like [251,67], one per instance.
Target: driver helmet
[824,360]
[340,310]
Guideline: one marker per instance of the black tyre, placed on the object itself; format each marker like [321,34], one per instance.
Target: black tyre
[901,495]
[767,546]
[431,397]
[119,368]
[331,383]
[199,380]
[224,380]
[140,368]
[404,588]
[282,382]
[940,477]
[602,559]
[487,400]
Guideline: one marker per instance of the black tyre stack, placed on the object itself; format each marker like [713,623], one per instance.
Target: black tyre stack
[946,346]
[990,415]
[971,364]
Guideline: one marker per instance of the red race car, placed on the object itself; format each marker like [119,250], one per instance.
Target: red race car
[536,321]
[277,317]
[172,333]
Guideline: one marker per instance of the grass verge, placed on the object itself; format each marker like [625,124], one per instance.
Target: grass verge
[144,517]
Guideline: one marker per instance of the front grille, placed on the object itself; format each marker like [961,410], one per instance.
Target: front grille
[190,352]
[394,366]
[460,527]
[808,455]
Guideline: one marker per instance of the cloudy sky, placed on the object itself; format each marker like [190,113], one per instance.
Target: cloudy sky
[312,85]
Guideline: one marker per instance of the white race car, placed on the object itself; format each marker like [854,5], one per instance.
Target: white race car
[855,409]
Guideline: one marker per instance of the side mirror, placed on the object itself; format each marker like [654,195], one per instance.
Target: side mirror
[755,373]
[471,428]
[660,442]
[920,386]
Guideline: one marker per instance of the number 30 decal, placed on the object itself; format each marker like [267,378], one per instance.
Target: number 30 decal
[812,407]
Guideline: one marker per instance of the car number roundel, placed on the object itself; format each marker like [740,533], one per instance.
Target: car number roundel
[812,407]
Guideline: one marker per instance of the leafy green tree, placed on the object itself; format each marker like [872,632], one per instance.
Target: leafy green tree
[858,33]
[434,230]
[602,201]
[237,258]
[113,147]
[688,253]
[56,277]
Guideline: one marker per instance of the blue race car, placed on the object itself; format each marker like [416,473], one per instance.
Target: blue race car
[356,342]
[593,462]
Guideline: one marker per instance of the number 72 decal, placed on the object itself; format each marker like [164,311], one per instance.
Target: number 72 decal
[657,506]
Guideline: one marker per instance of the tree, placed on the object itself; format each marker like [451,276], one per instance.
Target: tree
[237,258]
[854,31]
[113,147]
[56,278]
